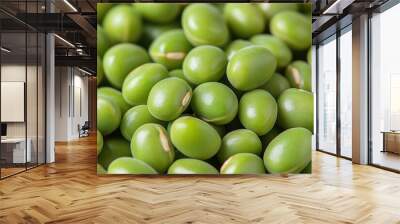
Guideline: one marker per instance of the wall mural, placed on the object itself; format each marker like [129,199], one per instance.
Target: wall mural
[204,88]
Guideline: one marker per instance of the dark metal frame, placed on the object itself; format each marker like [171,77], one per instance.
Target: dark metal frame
[44,71]
[338,74]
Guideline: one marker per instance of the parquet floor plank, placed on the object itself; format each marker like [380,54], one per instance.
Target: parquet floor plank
[69,191]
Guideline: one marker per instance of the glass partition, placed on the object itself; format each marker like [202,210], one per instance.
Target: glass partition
[385,89]
[14,151]
[346,92]
[327,95]
[23,89]
[32,98]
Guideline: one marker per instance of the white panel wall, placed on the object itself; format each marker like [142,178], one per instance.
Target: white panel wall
[71,102]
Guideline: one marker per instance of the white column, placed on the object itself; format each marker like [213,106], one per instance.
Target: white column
[50,100]
[360,90]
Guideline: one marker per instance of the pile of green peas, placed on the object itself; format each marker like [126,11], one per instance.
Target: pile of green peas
[204,88]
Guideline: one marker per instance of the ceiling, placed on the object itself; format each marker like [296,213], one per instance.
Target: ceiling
[332,15]
[74,22]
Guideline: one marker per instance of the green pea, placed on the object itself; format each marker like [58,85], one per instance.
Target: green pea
[189,58]
[127,165]
[296,109]
[234,125]
[276,85]
[276,46]
[306,8]
[239,141]
[114,147]
[308,168]
[251,67]
[100,169]
[289,152]
[215,103]
[134,118]
[158,12]
[293,28]
[226,82]
[243,163]
[191,166]
[169,98]
[150,143]
[102,9]
[102,41]
[123,24]
[299,75]
[203,24]
[178,73]
[114,96]
[220,129]
[235,46]
[219,6]
[204,64]
[170,48]
[138,83]
[258,111]
[99,142]
[151,31]
[120,60]
[271,9]
[245,20]
[267,138]
[182,115]
[195,138]
[100,71]
[108,116]
[179,155]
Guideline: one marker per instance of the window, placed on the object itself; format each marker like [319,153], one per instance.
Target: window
[327,95]
[385,89]
[346,92]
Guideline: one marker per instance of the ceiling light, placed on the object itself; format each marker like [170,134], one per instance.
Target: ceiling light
[70,5]
[333,6]
[5,50]
[337,7]
[65,41]
[84,71]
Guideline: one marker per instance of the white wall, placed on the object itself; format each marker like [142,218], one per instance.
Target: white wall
[71,94]
[61,103]
[12,73]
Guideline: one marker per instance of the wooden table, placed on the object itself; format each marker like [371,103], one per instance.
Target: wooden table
[391,141]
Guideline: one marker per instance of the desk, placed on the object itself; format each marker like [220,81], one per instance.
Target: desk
[17,150]
[391,141]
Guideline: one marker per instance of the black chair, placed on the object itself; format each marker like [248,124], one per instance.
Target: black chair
[84,130]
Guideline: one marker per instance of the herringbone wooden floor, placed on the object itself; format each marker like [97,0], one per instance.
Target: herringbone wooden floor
[70,192]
